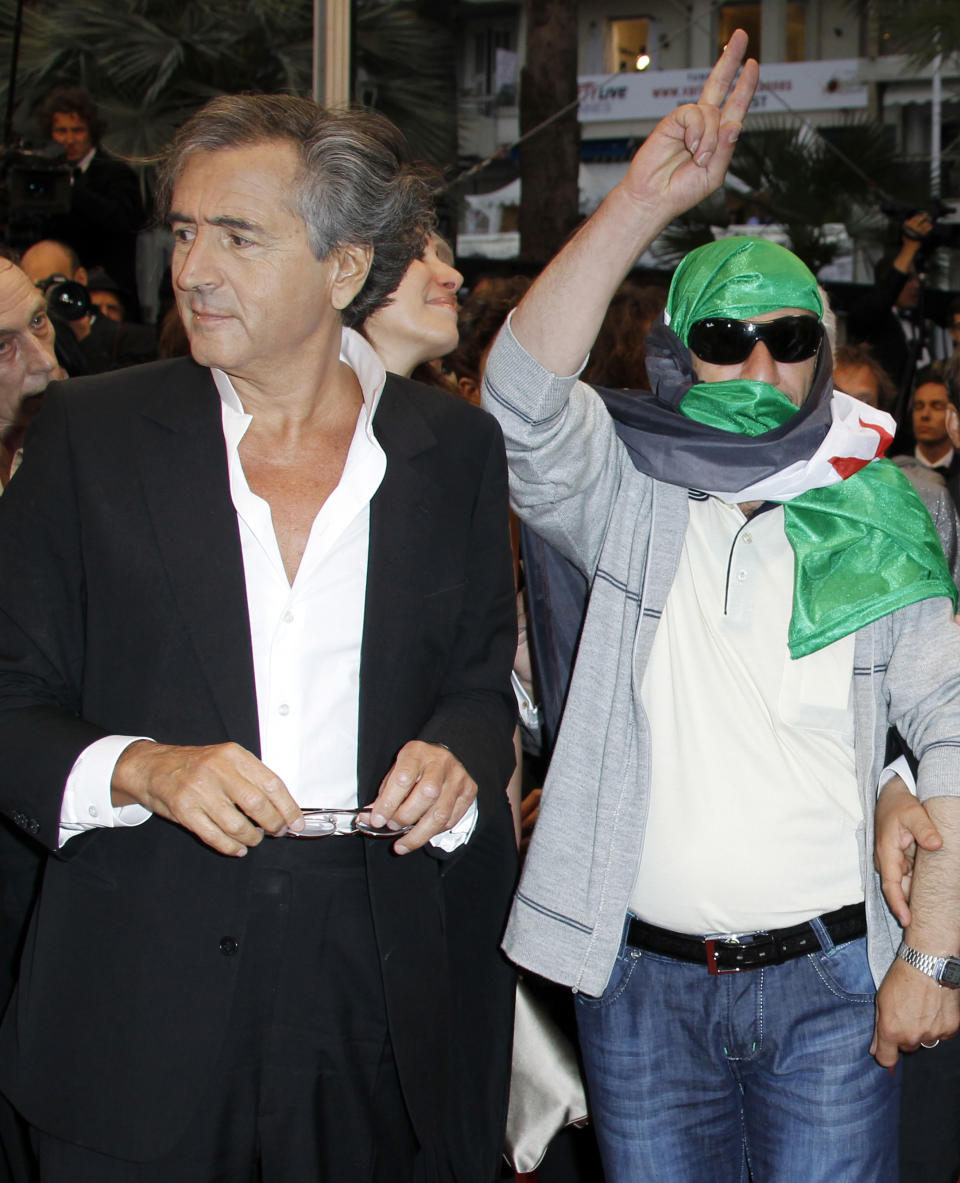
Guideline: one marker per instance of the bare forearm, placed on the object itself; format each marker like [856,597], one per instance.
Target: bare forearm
[935,896]
[913,1008]
[560,316]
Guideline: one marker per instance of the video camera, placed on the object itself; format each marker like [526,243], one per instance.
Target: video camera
[944,233]
[35,181]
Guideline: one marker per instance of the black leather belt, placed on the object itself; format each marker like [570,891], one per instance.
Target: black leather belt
[750,950]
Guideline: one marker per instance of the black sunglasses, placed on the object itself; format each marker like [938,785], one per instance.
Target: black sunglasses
[725,342]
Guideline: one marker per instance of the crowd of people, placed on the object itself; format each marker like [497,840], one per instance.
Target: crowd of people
[642,679]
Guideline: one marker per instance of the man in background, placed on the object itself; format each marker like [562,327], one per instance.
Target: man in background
[106,209]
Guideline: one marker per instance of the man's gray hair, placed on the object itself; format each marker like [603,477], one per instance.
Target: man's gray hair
[357,185]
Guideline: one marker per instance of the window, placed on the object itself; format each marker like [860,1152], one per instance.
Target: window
[748,17]
[796,28]
[739,16]
[490,62]
[631,44]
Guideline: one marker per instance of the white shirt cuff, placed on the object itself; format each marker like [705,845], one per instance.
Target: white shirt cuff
[86,797]
[900,767]
[452,839]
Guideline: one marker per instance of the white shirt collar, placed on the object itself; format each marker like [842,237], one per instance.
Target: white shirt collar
[944,462]
[84,164]
[358,354]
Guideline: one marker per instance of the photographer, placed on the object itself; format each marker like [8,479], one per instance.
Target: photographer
[890,317]
[100,343]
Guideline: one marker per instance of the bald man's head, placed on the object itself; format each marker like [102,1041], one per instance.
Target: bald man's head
[47,257]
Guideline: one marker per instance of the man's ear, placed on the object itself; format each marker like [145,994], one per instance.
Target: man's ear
[80,276]
[353,267]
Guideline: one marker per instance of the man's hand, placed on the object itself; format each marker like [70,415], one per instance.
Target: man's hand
[900,826]
[428,788]
[911,1009]
[913,232]
[522,663]
[221,793]
[683,159]
[686,156]
[916,227]
[529,812]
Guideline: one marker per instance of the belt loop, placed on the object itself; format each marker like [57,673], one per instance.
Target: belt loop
[625,935]
[820,930]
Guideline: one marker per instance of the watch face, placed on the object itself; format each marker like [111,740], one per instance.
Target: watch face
[951,973]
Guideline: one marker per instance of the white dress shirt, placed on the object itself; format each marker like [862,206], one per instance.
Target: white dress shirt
[305,636]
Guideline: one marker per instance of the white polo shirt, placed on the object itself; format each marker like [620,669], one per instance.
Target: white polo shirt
[754,805]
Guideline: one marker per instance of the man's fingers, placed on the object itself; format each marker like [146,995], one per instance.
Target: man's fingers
[427,788]
[737,105]
[397,785]
[917,822]
[226,830]
[721,77]
[892,885]
[433,821]
[883,1051]
[698,136]
[265,800]
[222,793]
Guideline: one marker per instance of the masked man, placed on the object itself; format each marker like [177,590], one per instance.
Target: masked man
[763,602]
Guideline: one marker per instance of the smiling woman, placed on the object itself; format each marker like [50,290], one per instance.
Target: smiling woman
[419,321]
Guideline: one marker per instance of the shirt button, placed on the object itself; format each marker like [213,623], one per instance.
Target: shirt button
[287,617]
[92,810]
[228,946]
[283,709]
[748,538]
[741,576]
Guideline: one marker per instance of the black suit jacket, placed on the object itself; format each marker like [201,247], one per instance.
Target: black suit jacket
[124,611]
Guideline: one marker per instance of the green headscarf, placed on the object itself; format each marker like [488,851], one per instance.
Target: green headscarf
[739,278]
[863,547]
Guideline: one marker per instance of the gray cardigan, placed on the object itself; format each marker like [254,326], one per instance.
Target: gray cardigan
[572,481]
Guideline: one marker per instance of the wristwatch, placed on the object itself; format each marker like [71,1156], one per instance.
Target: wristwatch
[945,970]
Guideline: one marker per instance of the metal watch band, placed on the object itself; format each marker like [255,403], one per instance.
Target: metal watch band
[945,970]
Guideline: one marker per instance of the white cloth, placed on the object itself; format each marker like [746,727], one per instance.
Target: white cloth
[857,434]
[741,837]
[305,637]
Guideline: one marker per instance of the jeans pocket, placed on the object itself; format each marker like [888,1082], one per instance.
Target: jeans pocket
[845,971]
[619,980]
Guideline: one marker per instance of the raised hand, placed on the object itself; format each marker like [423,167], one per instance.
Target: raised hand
[686,156]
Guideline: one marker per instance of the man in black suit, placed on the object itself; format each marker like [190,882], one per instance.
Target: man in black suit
[106,209]
[264,580]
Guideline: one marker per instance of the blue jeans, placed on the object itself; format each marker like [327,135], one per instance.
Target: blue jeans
[762,1075]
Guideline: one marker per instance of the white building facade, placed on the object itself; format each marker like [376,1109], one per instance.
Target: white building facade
[820,65]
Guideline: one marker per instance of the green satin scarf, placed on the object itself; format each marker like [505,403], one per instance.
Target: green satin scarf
[738,277]
[864,546]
